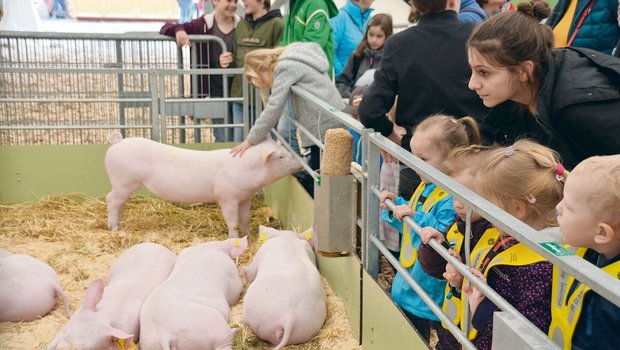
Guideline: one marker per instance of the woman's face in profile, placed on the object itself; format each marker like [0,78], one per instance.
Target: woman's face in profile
[492,83]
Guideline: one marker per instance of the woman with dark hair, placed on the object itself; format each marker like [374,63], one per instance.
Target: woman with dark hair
[567,99]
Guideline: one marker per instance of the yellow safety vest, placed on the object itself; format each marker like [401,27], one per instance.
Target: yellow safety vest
[453,305]
[517,255]
[408,253]
[565,308]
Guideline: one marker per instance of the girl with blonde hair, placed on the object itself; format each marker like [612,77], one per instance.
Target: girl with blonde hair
[526,180]
[279,69]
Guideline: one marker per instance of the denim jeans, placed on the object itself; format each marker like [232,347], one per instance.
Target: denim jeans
[237,118]
[286,127]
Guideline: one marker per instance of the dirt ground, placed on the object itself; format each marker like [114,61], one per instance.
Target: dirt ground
[69,233]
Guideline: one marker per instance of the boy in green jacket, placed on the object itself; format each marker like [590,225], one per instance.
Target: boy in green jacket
[261,28]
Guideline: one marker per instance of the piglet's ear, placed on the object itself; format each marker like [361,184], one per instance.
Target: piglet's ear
[93,294]
[122,339]
[308,235]
[266,154]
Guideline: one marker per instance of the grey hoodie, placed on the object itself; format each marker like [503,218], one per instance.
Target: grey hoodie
[303,65]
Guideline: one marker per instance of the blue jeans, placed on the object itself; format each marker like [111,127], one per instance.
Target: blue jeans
[237,118]
[287,129]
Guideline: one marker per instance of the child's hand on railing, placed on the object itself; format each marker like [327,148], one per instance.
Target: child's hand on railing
[452,275]
[386,195]
[403,210]
[430,232]
[474,295]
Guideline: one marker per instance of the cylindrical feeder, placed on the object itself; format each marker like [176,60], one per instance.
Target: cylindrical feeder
[335,197]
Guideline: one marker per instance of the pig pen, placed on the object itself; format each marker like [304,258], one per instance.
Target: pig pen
[69,233]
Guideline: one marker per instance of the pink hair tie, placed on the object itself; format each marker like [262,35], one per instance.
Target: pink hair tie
[559,172]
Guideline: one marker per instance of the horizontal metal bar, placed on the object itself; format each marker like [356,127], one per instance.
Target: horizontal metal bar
[601,282]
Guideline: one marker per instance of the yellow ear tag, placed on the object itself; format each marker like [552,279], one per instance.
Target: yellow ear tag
[265,154]
[236,243]
[121,344]
[263,237]
[308,236]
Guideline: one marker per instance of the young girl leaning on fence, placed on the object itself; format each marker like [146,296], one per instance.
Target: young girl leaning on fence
[525,180]
[367,55]
[299,64]
[461,165]
[429,207]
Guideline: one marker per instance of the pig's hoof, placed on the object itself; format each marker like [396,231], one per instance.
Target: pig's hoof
[113,227]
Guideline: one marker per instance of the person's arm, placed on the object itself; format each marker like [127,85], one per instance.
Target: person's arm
[380,96]
[345,81]
[278,31]
[180,31]
[440,217]
[285,76]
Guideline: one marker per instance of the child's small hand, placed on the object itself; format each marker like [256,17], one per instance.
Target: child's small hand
[403,210]
[430,232]
[452,275]
[474,295]
[386,195]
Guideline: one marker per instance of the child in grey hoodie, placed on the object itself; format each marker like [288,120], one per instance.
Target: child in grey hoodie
[298,64]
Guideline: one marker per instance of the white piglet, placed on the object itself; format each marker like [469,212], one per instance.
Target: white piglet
[190,310]
[285,302]
[28,288]
[109,317]
[191,176]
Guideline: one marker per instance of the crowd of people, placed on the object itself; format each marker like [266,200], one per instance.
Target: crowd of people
[518,103]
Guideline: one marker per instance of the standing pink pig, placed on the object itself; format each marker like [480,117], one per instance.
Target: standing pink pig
[191,176]
[190,310]
[111,316]
[285,302]
[28,288]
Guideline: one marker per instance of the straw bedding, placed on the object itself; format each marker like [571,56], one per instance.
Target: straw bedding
[70,234]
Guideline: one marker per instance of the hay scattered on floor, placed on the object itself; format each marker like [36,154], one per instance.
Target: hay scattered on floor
[70,234]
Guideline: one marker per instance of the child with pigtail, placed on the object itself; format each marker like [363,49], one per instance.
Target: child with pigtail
[526,180]
[430,206]
[461,164]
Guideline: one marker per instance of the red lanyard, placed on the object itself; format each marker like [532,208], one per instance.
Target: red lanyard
[585,14]
[495,250]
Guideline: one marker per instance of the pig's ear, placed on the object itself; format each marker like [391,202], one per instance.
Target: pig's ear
[307,235]
[237,246]
[267,153]
[262,233]
[93,294]
[122,339]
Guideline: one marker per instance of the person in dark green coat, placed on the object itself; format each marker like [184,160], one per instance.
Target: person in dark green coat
[261,28]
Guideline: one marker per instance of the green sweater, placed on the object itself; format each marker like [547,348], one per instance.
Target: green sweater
[262,33]
[308,20]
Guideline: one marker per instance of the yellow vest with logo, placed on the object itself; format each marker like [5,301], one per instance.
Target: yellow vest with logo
[517,255]
[453,305]
[408,253]
[565,308]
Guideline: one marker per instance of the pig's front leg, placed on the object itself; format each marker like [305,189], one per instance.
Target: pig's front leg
[244,217]
[230,211]
[251,270]
[115,201]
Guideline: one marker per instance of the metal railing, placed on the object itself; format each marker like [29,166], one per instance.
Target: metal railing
[374,143]
[73,88]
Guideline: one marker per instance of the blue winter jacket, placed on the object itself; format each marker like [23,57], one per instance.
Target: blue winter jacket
[599,30]
[441,216]
[349,27]
[471,12]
